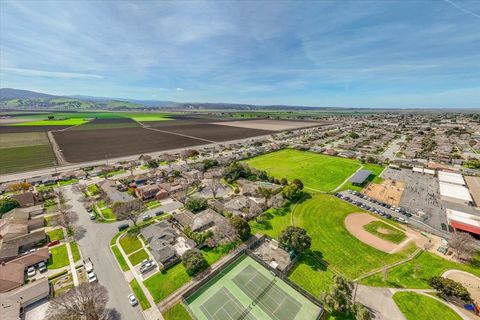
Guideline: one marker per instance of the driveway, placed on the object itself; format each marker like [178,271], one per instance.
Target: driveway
[95,244]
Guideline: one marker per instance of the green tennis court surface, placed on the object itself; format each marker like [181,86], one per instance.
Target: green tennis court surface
[247,290]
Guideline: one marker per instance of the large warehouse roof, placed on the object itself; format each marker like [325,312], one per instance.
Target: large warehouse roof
[454,191]
[360,176]
[473,184]
[451,177]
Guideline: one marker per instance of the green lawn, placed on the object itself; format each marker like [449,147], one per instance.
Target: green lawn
[419,307]
[277,220]
[153,204]
[106,211]
[162,284]
[177,312]
[58,257]
[68,182]
[312,276]
[130,243]
[374,177]
[55,235]
[20,158]
[137,257]
[165,282]
[75,251]
[417,272]
[121,260]
[93,189]
[394,235]
[323,217]
[142,299]
[316,171]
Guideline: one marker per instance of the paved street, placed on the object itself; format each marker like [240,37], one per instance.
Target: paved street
[380,302]
[96,244]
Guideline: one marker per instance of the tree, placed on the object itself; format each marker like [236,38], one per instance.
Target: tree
[463,244]
[19,186]
[339,299]
[152,163]
[194,261]
[450,288]
[295,238]
[284,181]
[353,135]
[209,163]
[196,204]
[292,192]
[298,183]
[132,165]
[87,301]
[266,194]
[361,312]
[241,226]
[130,210]
[7,204]
[214,185]
[182,193]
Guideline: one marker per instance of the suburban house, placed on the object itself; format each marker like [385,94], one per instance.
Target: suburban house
[151,191]
[20,229]
[12,273]
[111,192]
[250,188]
[25,199]
[166,243]
[243,206]
[14,302]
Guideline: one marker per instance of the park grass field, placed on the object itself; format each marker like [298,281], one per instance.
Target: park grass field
[416,273]
[374,177]
[416,306]
[394,235]
[311,275]
[318,172]
[323,217]
[177,312]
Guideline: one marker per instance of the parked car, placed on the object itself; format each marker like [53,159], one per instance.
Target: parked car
[92,216]
[31,272]
[149,265]
[402,220]
[123,227]
[92,277]
[42,267]
[146,217]
[158,213]
[132,299]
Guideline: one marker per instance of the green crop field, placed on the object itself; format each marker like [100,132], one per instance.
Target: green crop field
[77,118]
[323,217]
[25,139]
[317,171]
[26,158]
[416,306]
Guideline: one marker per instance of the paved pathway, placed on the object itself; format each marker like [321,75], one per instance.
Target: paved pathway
[73,270]
[380,302]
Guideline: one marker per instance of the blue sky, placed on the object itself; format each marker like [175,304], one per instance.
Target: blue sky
[320,53]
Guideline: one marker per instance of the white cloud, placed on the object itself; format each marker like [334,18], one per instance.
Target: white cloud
[51,74]
[180,89]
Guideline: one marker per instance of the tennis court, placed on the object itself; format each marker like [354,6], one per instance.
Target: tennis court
[247,290]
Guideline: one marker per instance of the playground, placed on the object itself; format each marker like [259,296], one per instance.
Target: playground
[389,191]
[247,290]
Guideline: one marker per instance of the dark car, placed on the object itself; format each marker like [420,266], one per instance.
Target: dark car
[158,213]
[123,227]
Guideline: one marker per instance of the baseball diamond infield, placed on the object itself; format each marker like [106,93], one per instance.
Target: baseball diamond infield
[355,223]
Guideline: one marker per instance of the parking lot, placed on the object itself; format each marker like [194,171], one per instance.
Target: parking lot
[421,196]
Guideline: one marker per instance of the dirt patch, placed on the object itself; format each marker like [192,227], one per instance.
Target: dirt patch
[270,125]
[354,223]
[89,145]
[468,280]
[21,129]
[383,230]
[389,191]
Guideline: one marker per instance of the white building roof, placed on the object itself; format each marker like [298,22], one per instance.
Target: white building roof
[429,171]
[415,169]
[451,177]
[454,191]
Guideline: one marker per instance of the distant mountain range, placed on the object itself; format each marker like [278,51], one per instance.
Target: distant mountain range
[30,100]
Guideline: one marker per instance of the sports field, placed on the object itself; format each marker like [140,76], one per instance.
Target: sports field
[317,171]
[416,306]
[247,290]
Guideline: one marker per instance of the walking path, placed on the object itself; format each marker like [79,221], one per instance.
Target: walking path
[70,259]
[345,181]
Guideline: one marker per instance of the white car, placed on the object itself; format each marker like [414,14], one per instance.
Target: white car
[132,299]
[31,272]
[92,277]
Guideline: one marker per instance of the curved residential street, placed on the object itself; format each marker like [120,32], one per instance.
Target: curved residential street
[95,244]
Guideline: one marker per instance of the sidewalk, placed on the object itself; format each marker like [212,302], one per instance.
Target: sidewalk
[70,258]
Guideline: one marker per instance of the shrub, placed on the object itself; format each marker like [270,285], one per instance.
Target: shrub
[8,204]
[450,288]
